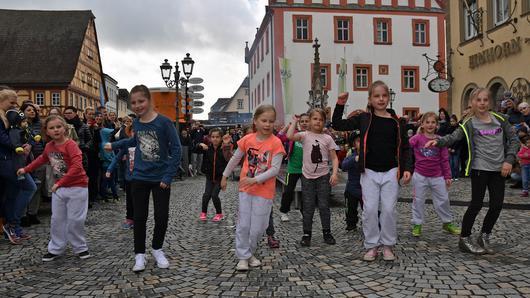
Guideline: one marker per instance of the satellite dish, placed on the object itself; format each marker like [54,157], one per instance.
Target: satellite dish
[196,88]
[196,80]
[197,110]
[197,103]
[196,95]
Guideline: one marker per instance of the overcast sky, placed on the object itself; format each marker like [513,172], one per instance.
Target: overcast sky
[136,35]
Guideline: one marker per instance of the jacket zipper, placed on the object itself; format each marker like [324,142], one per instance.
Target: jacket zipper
[398,148]
[364,142]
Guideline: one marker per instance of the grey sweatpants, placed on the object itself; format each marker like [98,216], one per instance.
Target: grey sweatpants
[69,209]
[316,193]
[440,198]
[252,221]
[379,188]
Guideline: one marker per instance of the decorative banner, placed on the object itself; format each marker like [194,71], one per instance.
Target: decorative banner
[342,75]
[285,74]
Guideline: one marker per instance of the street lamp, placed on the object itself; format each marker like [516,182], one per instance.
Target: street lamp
[392,97]
[165,70]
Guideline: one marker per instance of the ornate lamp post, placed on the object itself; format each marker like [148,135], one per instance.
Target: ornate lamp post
[165,70]
[392,97]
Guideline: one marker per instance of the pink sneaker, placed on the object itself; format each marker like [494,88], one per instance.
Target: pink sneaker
[218,217]
[524,194]
[203,216]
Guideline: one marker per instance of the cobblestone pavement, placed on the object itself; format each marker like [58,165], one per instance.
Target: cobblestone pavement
[202,259]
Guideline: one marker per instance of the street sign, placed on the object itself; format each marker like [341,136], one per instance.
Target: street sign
[197,110]
[196,80]
[197,103]
[196,88]
[196,95]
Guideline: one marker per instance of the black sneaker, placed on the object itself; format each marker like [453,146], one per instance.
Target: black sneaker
[351,227]
[49,257]
[328,239]
[306,241]
[84,255]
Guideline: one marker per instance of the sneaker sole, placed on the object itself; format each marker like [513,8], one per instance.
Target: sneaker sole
[162,266]
[242,269]
[49,259]
[85,257]
[138,270]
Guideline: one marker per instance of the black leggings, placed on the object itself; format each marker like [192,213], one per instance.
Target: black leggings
[211,191]
[288,192]
[129,201]
[352,203]
[480,180]
[141,191]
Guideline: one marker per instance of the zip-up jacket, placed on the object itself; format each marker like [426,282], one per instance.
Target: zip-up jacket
[363,122]
[466,130]
[349,164]
[214,161]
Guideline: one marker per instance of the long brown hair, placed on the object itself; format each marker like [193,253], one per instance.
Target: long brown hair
[260,110]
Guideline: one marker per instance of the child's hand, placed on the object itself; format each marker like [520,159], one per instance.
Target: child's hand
[108,147]
[334,179]
[55,187]
[21,172]
[107,174]
[203,146]
[406,177]
[163,185]
[247,182]
[448,182]
[343,98]
[431,143]
[223,183]
[506,169]
[295,119]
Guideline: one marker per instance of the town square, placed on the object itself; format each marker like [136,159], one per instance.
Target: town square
[348,148]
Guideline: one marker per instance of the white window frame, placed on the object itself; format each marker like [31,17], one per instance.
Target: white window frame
[469,30]
[56,99]
[39,98]
[409,79]
[302,27]
[500,17]
[420,33]
[239,103]
[343,30]
[361,77]
[382,31]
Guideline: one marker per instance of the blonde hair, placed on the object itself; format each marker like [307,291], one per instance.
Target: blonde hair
[424,118]
[260,110]
[50,119]
[473,95]
[6,93]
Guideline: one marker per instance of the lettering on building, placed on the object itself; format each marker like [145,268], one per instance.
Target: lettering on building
[495,53]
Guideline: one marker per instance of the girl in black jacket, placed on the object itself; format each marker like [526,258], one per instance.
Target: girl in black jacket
[215,159]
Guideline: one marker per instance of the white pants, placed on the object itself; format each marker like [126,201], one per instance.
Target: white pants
[252,221]
[379,188]
[440,198]
[69,209]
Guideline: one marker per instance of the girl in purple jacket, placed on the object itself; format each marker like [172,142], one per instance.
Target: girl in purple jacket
[432,173]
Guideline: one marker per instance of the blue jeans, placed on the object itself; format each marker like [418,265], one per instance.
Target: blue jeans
[454,161]
[19,194]
[525,173]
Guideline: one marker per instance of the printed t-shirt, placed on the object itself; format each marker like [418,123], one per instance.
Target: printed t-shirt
[489,145]
[316,153]
[257,160]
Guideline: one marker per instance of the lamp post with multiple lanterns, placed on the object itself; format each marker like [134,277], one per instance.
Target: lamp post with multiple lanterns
[187,67]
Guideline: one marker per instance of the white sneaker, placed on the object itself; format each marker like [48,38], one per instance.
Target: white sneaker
[284,217]
[254,262]
[161,260]
[242,265]
[140,262]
